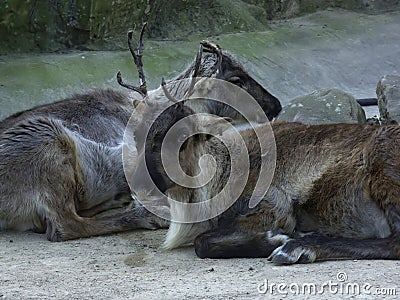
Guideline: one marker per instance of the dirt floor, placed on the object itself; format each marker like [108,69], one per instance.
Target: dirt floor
[131,266]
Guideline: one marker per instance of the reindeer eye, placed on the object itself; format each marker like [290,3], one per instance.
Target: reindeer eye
[236,80]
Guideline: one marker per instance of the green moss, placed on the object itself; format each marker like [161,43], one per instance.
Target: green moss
[58,25]
[178,19]
[102,24]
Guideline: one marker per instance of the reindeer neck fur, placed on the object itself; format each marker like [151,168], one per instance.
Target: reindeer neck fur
[180,233]
[183,233]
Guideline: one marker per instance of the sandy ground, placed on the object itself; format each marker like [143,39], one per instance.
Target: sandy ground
[131,266]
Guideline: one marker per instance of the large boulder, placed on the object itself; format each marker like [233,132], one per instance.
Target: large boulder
[324,107]
[388,92]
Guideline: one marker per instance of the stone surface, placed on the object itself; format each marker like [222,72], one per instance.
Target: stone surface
[327,49]
[388,92]
[48,26]
[289,8]
[323,107]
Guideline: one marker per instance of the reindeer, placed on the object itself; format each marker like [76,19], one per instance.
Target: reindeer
[61,167]
[334,193]
[226,67]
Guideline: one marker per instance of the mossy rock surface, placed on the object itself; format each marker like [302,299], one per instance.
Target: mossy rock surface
[59,25]
[324,107]
[388,92]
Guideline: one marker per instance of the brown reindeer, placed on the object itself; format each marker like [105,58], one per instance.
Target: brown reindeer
[334,193]
[226,67]
[61,167]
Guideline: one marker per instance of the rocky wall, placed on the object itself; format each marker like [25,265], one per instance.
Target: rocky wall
[57,25]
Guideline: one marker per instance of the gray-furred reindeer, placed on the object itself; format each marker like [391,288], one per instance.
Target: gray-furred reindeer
[335,193]
[61,167]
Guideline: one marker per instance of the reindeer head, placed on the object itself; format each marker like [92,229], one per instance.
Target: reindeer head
[215,63]
[233,72]
[224,66]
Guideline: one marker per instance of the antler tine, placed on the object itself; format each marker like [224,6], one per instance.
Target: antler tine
[196,69]
[129,86]
[140,44]
[166,92]
[197,64]
[137,59]
[213,48]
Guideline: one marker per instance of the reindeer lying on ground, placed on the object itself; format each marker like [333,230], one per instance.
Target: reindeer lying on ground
[61,167]
[334,194]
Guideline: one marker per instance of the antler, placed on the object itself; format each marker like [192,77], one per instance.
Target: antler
[195,71]
[166,92]
[192,82]
[137,59]
[213,48]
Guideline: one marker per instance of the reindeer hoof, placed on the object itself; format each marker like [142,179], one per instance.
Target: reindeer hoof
[53,234]
[292,252]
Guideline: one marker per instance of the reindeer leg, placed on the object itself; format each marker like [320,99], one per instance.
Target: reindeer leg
[310,248]
[109,205]
[318,246]
[302,248]
[70,225]
[281,249]
[228,244]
